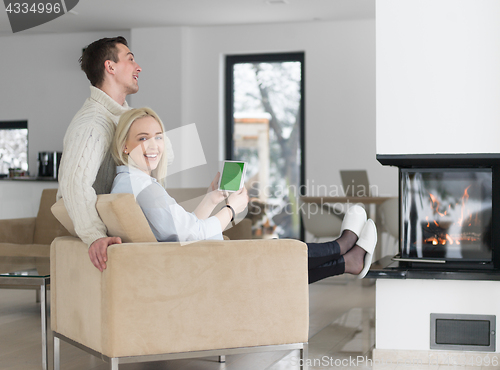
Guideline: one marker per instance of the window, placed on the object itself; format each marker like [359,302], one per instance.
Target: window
[13,145]
[265,128]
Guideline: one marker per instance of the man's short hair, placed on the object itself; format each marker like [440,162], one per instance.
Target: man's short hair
[95,54]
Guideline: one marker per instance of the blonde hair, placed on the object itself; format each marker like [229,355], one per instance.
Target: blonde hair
[121,135]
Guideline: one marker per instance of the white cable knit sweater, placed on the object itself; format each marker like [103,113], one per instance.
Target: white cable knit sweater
[87,168]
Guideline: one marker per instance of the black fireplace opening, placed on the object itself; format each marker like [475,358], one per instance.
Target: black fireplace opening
[448,207]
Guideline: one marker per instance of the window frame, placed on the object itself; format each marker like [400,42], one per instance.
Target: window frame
[18,125]
[12,125]
[231,60]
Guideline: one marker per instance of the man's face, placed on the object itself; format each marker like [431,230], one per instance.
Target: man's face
[127,70]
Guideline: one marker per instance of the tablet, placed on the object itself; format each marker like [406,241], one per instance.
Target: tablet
[233,175]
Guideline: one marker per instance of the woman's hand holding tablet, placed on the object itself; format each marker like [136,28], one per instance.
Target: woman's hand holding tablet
[233,176]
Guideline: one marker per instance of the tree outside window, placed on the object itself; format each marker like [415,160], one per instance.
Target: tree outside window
[265,115]
[13,146]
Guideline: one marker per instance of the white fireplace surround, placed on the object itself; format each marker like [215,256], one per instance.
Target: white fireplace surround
[438,92]
[404,306]
[438,80]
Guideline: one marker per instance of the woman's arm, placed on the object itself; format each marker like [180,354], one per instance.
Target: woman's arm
[210,200]
[170,222]
[238,202]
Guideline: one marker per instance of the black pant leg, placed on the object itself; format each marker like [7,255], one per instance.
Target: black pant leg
[320,253]
[331,268]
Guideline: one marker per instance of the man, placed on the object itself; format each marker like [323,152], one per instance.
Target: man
[87,168]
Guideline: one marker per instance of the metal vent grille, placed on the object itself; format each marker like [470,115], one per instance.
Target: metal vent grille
[463,332]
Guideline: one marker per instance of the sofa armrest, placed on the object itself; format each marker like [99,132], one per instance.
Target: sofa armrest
[75,288]
[17,230]
[168,297]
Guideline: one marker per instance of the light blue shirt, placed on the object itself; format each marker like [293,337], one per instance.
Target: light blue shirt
[168,220]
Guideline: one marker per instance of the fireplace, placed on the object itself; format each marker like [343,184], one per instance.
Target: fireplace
[449,210]
[446,214]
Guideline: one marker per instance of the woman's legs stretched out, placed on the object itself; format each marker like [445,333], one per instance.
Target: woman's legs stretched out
[347,254]
[330,259]
[320,253]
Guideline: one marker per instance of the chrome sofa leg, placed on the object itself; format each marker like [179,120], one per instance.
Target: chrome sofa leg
[57,353]
[222,359]
[44,300]
[303,357]
[113,363]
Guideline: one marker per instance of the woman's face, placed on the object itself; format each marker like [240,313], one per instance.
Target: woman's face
[144,144]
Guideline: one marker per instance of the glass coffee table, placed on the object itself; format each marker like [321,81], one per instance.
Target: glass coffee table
[32,280]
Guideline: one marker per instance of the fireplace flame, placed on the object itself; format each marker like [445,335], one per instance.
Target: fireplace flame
[439,228]
[449,239]
[464,199]
[435,205]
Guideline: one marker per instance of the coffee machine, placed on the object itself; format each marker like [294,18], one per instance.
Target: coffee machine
[48,164]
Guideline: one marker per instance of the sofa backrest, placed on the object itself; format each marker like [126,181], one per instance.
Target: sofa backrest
[47,228]
[187,198]
[120,213]
[124,218]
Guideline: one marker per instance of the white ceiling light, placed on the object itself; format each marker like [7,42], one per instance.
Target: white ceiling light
[276,2]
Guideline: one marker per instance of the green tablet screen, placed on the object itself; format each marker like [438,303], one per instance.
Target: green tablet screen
[231,176]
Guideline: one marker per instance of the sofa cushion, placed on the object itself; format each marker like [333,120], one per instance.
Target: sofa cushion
[47,228]
[17,230]
[121,214]
[124,218]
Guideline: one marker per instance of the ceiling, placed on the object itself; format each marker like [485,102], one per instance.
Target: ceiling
[110,15]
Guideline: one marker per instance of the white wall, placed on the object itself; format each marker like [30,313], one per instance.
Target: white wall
[438,76]
[21,198]
[182,79]
[340,90]
[403,308]
[42,82]
[161,54]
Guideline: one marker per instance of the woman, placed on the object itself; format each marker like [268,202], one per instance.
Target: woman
[139,151]
[142,152]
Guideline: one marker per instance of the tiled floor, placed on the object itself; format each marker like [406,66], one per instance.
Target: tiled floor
[341,325]
[342,336]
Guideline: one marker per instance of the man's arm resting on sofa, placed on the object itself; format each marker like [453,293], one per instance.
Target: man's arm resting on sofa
[98,251]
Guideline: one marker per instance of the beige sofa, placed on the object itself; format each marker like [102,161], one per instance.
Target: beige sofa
[175,300]
[25,242]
